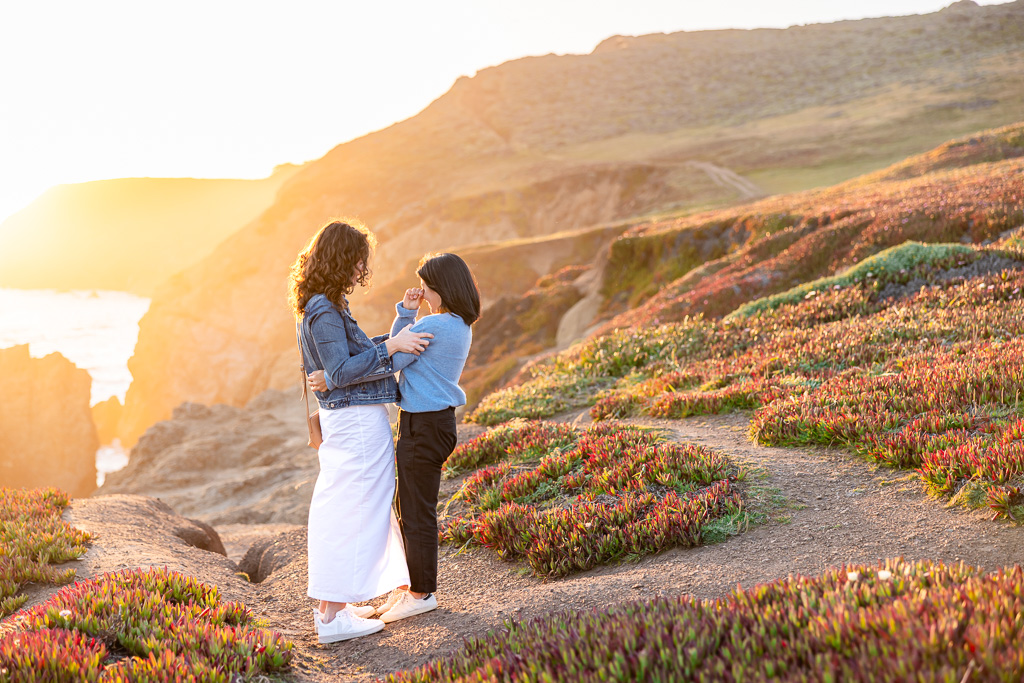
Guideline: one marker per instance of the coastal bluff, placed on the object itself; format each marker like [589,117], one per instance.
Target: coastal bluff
[47,436]
[641,127]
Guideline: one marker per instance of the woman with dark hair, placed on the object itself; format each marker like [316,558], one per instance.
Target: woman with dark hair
[429,393]
[355,548]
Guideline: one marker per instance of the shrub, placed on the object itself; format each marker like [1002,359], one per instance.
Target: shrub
[895,264]
[517,439]
[139,625]
[893,622]
[613,492]
[540,397]
[32,538]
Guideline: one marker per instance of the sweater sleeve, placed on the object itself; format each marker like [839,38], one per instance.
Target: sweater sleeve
[429,324]
[403,317]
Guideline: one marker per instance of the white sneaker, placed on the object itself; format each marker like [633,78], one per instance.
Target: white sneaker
[394,597]
[345,626]
[363,611]
[408,606]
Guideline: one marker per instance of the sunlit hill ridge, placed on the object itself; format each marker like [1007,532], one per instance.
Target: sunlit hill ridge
[129,234]
[661,124]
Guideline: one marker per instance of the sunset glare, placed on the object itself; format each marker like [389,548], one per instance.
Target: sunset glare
[195,89]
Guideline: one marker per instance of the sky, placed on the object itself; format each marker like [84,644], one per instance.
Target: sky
[225,89]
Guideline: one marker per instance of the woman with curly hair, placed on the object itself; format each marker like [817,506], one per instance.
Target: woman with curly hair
[429,393]
[355,544]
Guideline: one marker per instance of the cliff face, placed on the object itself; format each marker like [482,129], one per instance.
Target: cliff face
[550,144]
[47,437]
[226,465]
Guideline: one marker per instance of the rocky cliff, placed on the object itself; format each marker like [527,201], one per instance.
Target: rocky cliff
[648,124]
[47,437]
[226,465]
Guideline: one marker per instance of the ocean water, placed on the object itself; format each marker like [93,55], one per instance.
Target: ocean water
[95,330]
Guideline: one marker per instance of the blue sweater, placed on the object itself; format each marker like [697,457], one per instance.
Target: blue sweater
[430,381]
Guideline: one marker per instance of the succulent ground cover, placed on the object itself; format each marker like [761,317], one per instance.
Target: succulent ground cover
[987,146]
[896,621]
[715,262]
[566,500]
[140,625]
[33,538]
[913,359]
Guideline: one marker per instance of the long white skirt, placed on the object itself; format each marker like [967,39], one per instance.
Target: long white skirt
[355,543]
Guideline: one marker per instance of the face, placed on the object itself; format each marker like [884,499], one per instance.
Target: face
[359,270]
[432,298]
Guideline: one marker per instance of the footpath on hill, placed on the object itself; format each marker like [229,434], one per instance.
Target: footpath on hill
[824,509]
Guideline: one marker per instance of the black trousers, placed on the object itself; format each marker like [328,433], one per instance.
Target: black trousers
[425,440]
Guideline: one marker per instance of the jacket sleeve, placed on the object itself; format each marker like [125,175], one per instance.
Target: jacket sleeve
[341,369]
[369,378]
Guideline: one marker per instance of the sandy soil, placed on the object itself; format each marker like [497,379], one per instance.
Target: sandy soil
[824,509]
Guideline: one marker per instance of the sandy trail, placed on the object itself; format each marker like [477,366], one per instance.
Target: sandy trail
[829,509]
[726,178]
[837,510]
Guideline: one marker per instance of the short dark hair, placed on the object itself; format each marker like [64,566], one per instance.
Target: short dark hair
[450,277]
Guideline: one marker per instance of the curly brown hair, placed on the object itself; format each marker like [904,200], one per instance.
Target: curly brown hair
[326,264]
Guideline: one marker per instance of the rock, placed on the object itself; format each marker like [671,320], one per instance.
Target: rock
[271,554]
[136,531]
[199,534]
[106,415]
[225,465]
[47,436]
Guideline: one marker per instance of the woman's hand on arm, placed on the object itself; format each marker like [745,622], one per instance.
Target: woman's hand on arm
[408,341]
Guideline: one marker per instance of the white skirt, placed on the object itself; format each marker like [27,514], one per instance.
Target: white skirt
[355,543]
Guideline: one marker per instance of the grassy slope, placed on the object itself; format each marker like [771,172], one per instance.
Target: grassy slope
[839,359]
[551,143]
[713,262]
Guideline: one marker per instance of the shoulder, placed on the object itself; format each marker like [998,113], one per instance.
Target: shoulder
[438,321]
[451,326]
[319,304]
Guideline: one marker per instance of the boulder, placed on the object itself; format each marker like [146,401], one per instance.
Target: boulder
[47,436]
[225,465]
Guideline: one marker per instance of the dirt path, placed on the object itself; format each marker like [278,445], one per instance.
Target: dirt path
[837,510]
[826,509]
[726,178]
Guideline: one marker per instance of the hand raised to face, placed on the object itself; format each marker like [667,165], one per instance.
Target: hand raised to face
[413,298]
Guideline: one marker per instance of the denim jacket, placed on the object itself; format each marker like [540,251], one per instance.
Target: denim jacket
[357,366]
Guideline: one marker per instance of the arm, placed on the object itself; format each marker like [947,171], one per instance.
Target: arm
[430,325]
[400,359]
[406,341]
[330,386]
[404,316]
[328,332]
